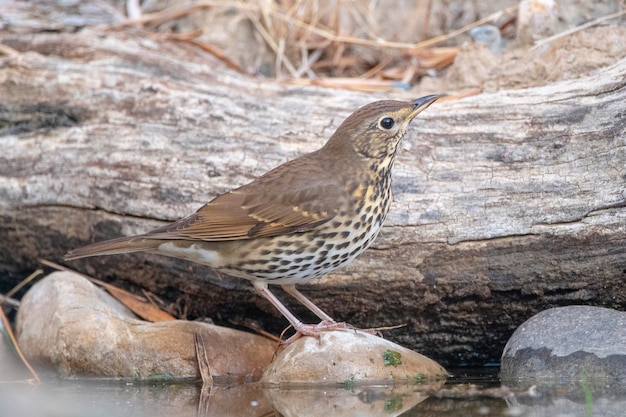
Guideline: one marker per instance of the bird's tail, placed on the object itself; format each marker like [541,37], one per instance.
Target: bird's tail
[114,247]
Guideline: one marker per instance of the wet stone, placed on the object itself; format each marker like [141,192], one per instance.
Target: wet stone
[573,343]
[346,356]
[67,324]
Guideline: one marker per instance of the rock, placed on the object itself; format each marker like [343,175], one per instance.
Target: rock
[67,323]
[490,36]
[571,343]
[349,357]
[536,19]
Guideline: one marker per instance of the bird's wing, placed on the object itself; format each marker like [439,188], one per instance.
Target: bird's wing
[272,205]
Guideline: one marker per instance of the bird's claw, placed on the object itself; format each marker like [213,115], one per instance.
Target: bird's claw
[315,330]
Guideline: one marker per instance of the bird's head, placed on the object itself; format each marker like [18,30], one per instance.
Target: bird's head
[374,130]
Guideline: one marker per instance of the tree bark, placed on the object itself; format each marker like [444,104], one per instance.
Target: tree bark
[505,204]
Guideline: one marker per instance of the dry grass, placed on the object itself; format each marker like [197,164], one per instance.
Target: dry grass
[336,43]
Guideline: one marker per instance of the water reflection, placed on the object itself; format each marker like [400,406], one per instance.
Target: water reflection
[347,401]
[459,397]
[112,399]
[125,399]
[572,398]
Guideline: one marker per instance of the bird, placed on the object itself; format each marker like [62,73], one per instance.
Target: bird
[299,221]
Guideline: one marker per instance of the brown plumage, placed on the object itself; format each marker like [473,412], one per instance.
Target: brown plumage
[300,220]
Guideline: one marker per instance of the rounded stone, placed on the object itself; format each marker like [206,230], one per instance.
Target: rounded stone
[349,357]
[571,342]
[68,324]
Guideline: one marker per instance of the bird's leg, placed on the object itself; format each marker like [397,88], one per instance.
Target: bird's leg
[265,292]
[293,291]
[300,328]
[328,322]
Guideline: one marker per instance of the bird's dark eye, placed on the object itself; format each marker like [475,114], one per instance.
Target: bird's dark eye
[387,123]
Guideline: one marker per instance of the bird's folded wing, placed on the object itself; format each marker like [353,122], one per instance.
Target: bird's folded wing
[246,214]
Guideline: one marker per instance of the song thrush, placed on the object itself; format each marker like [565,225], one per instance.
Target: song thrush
[299,221]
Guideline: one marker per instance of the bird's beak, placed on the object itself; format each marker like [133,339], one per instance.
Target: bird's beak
[422,103]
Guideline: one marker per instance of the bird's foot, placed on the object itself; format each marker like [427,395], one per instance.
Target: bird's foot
[315,330]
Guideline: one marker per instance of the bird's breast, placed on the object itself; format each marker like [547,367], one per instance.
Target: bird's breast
[299,257]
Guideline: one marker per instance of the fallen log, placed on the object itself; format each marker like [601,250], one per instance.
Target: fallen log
[505,204]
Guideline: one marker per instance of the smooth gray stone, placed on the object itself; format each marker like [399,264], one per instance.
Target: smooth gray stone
[568,343]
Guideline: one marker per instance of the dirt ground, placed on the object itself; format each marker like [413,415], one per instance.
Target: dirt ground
[526,56]
[366,45]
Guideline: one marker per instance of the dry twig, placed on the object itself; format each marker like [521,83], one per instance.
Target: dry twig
[16,347]
[23,283]
[573,30]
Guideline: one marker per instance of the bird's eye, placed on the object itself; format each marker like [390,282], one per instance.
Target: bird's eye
[386,123]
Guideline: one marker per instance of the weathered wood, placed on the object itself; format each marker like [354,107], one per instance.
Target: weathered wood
[505,204]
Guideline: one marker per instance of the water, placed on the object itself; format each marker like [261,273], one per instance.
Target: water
[467,394]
